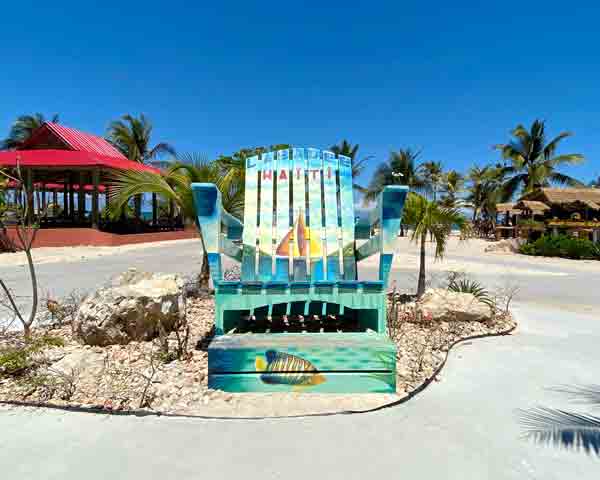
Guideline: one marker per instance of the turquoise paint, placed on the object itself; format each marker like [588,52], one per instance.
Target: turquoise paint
[357,371]
[323,363]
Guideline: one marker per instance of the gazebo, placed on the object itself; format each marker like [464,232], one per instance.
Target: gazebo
[58,159]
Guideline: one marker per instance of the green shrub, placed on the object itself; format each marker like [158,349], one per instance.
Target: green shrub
[18,360]
[562,246]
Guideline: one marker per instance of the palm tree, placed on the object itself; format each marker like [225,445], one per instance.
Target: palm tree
[175,185]
[430,219]
[533,163]
[452,184]
[131,136]
[432,174]
[358,165]
[485,190]
[22,129]
[400,169]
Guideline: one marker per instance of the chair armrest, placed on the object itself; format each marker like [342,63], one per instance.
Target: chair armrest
[233,226]
[390,206]
[210,215]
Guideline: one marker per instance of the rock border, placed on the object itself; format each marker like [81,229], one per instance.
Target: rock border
[145,413]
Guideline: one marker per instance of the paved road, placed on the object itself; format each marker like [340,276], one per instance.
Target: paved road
[561,285]
[463,427]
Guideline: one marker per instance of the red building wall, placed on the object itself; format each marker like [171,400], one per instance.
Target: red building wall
[69,237]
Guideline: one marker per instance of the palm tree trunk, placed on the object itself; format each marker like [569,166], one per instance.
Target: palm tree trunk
[421,282]
[204,276]
[137,201]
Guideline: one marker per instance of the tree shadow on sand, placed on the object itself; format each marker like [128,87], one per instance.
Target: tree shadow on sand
[573,431]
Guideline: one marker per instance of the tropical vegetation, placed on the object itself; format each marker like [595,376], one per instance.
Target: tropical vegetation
[430,219]
[401,168]
[132,137]
[358,164]
[23,127]
[562,246]
[175,185]
[532,160]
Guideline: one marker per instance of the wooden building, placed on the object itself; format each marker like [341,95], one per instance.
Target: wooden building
[571,211]
[58,160]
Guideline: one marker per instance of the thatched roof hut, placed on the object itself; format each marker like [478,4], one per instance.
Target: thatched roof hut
[563,197]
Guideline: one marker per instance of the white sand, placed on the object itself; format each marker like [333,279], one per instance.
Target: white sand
[463,256]
[76,254]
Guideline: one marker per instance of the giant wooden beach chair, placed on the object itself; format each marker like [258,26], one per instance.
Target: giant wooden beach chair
[299,259]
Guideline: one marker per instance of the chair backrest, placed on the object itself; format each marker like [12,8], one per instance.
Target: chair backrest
[298,217]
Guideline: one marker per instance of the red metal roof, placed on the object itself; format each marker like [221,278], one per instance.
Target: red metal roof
[43,149]
[64,159]
[73,140]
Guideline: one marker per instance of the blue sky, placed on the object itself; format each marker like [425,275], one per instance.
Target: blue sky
[451,78]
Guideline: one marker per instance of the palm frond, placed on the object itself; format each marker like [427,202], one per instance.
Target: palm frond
[562,179]
[566,159]
[550,148]
[572,431]
[589,394]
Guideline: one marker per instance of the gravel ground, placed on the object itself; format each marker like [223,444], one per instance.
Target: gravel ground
[134,377]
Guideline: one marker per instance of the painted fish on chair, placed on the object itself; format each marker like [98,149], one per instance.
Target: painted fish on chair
[295,371]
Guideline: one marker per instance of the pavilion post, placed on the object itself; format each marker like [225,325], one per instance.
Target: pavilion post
[29,199]
[81,198]
[65,199]
[55,202]
[171,211]
[154,209]
[43,197]
[71,198]
[95,182]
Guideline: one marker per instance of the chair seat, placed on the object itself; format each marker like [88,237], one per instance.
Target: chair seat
[342,285]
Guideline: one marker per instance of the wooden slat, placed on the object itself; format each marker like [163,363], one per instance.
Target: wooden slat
[265,258]
[299,259]
[333,382]
[347,217]
[250,214]
[283,229]
[315,166]
[332,245]
[325,351]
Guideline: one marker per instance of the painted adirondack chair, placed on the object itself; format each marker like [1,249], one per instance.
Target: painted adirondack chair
[300,258]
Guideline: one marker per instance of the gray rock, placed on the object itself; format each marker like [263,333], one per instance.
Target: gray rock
[131,309]
[508,245]
[443,305]
[83,360]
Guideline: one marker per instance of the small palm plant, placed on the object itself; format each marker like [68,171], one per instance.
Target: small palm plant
[466,285]
[176,185]
[430,219]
